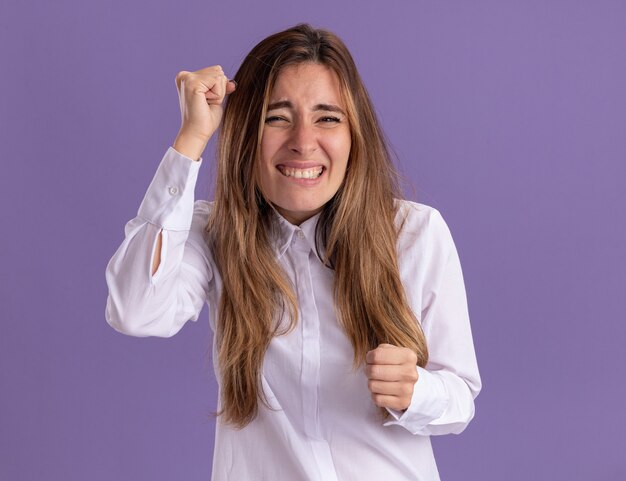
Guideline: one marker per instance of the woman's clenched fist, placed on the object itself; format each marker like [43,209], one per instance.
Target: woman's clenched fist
[391,372]
[201,94]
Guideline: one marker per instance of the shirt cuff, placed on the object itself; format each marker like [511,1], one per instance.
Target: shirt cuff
[169,200]
[429,402]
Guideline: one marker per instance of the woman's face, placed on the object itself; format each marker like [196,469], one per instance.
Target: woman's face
[305,143]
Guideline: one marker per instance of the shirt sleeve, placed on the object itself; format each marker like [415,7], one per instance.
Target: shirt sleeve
[443,396]
[139,303]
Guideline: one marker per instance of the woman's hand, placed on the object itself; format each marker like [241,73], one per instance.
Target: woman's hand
[392,374]
[200,94]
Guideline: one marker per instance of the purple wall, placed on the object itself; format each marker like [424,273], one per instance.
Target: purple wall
[509,117]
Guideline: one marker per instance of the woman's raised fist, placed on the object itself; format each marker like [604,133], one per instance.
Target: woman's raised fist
[200,95]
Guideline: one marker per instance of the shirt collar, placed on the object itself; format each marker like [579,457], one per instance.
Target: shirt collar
[285,231]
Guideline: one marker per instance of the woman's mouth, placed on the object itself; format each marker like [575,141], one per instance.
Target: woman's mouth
[312,173]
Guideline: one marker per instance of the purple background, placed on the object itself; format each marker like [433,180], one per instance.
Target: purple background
[509,117]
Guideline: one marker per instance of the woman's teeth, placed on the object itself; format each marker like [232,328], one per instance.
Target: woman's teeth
[312,173]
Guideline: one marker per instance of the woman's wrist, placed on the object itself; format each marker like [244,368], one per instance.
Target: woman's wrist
[190,145]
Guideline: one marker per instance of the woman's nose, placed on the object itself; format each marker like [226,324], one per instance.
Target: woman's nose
[303,139]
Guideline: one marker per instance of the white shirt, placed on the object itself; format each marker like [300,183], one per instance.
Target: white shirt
[326,426]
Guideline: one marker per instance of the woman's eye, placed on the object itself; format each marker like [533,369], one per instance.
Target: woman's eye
[324,120]
[271,119]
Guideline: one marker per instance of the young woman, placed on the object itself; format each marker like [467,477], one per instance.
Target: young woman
[342,336]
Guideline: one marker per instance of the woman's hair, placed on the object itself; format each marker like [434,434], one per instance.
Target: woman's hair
[356,234]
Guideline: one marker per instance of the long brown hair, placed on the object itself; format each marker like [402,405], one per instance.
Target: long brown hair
[356,233]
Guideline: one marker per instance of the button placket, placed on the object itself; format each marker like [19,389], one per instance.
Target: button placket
[310,377]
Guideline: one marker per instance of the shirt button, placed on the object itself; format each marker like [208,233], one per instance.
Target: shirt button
[300,234]
[173,190]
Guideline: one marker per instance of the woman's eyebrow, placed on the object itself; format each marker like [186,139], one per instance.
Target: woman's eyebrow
[287,104]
